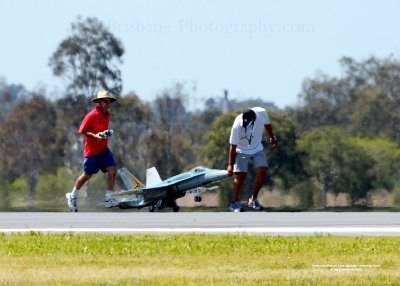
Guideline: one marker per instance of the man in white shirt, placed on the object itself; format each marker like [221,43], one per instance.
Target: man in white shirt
[245,145]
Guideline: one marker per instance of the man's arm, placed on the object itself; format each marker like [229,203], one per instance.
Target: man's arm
[231,159]
[93,135]
[272,139]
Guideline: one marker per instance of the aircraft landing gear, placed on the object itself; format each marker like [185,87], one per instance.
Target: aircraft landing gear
[161,204]
[175,207]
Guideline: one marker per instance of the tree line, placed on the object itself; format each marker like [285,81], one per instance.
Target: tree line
[343,136]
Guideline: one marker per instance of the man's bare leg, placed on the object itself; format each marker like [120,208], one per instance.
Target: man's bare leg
[238,184]
[259,180]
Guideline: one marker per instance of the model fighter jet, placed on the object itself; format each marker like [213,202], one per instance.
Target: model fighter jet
[157,194]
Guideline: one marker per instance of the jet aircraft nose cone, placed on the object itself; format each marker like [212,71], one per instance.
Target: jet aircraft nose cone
[213,175]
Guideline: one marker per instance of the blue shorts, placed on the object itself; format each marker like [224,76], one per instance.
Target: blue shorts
[102,161]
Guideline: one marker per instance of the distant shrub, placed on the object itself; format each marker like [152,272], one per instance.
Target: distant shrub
[51,188]
[306,194]
[18,194]
[396,197]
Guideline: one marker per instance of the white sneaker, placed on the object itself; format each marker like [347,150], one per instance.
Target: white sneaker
[111,202]
[72,204]
[236,207]
[255,204]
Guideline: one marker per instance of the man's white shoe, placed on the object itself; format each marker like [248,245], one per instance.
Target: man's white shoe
[72,203]
[255,204]
[111,202]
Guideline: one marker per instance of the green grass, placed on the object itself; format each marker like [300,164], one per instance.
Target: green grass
[96,259]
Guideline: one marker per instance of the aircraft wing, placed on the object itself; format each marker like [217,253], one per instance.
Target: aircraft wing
[160,187]
[142,191]
[139,198]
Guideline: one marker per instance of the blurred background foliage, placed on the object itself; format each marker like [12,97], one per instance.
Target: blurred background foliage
[341,139]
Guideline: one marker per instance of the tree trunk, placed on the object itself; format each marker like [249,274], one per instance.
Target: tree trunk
[32,182]
[324,200]
[4,192]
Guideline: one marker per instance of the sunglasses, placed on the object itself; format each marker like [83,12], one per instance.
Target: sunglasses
[107,101]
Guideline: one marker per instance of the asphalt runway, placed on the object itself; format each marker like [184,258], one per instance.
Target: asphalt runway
[260,223]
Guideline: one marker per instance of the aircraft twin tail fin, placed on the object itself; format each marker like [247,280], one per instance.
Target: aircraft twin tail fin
[152,177]
[129,181]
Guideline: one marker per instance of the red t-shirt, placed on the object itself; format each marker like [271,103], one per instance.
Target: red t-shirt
[95,121]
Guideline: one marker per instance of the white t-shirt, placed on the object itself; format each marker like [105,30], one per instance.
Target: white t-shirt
[248,140]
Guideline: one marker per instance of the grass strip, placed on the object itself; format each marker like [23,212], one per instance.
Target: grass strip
[197,259]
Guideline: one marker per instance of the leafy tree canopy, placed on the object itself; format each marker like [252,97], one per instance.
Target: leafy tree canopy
[88,60]
[364,101]
[337,163]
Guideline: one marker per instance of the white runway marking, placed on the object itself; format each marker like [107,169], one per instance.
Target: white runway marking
[343,231]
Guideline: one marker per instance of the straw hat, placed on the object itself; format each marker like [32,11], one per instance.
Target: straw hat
[104,94]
